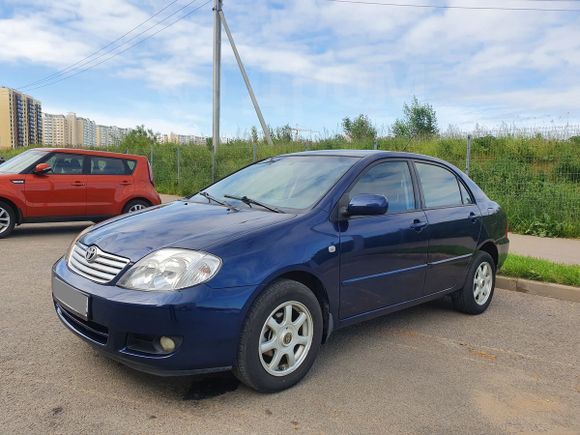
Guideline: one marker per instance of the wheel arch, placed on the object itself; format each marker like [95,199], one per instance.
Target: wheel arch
[136,198]
[16,209]
[315,285]
[492,250]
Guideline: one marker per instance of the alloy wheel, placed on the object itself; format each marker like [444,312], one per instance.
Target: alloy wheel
[4,220]
[482,283]
[286,338]
[136,207]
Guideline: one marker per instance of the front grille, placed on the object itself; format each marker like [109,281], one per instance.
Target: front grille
[94,331]
[102,268]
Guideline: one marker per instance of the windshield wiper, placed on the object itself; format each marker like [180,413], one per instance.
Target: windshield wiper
[217,201]
[251,201]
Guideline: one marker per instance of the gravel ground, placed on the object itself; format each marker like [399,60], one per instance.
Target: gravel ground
[425,370]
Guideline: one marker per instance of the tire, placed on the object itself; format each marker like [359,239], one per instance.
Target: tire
[480,281]
[136,205]
[265,372]
[7,219]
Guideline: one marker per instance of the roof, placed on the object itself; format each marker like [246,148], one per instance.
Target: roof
[89,152]
[362,154]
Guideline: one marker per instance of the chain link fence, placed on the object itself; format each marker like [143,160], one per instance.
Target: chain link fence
[535,179]
[534,175]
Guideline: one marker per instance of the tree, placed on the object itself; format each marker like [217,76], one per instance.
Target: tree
[359,128]
[419,120]
[284,133]
[140,137]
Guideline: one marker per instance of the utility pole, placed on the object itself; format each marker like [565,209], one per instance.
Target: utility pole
[219,20]
[217,59]
[265,128]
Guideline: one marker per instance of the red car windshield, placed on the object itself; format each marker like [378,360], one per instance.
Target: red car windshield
[21,162]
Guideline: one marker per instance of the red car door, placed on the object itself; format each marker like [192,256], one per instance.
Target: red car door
[60,193]
[109,184]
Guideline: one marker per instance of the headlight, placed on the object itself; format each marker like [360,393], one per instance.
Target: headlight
[171,269]
[77,238]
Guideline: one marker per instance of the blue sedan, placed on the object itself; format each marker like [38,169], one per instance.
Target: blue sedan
[255,272]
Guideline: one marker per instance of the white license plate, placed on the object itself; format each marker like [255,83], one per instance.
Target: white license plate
[71,298]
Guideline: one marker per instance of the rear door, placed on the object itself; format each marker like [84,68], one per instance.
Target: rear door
[383,259]
[60,193]
[109,184]
[454,226]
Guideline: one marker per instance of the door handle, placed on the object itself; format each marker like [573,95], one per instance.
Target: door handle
[78,184]
[473,217]
[125,183]
[418,225]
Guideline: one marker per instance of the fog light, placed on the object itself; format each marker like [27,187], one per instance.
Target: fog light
[167,344]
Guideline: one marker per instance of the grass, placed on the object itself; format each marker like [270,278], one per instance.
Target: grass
[518,266]
[535,180]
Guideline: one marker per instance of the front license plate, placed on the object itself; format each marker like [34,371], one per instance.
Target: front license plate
[71,298]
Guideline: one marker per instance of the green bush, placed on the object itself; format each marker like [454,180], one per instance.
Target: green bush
[535,180]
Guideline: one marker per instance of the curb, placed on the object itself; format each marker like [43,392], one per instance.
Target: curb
[546,289]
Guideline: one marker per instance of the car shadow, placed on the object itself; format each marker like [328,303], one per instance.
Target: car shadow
[34,230]
[208,386]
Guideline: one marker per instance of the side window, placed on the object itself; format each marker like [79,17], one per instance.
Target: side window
[66,164]
[467,199]
[440,186]
[131,164]
[108,166]
[392,180]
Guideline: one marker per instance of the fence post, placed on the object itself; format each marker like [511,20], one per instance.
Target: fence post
[178,165]
[468,157]
[375,144]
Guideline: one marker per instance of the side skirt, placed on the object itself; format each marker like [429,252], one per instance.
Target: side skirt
[392,308]
[37,220]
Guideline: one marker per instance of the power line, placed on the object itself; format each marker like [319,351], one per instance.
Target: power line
[75,73]
[424,6]
[99,50]
[87,60]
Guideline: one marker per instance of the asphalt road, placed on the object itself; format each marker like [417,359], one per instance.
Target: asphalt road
[424,370]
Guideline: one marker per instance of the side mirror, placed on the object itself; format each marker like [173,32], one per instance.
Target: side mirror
[42,169]
[366,204]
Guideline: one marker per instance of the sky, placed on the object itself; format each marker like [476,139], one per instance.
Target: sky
[311,62]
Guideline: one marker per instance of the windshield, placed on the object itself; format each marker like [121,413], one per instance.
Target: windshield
[291,182]
[22,161]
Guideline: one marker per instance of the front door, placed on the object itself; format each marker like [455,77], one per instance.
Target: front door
[383,259]
[454,224]
[60,193]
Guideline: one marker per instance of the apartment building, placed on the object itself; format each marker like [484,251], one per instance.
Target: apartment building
[86,132]
[182,139]
[110,135]
[20,119]
[54,130]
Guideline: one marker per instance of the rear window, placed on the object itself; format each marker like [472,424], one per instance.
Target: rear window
[111,166]
[440,186]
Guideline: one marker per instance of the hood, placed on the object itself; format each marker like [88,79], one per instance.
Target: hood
[179,224]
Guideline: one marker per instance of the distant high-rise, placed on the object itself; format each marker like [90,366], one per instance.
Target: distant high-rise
[20,119]
[54,130]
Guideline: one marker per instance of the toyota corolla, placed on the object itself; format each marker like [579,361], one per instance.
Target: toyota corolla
[254,273]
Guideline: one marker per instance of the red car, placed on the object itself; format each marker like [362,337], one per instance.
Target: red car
[56,185]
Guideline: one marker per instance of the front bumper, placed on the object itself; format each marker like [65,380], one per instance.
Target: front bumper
[207,321]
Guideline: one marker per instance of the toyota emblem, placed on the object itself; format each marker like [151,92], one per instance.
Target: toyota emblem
[91,254]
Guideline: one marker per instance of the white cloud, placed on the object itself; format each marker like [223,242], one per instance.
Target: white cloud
[471,65]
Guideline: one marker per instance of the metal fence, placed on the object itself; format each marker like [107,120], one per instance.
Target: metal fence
[533,174]
[535,179]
